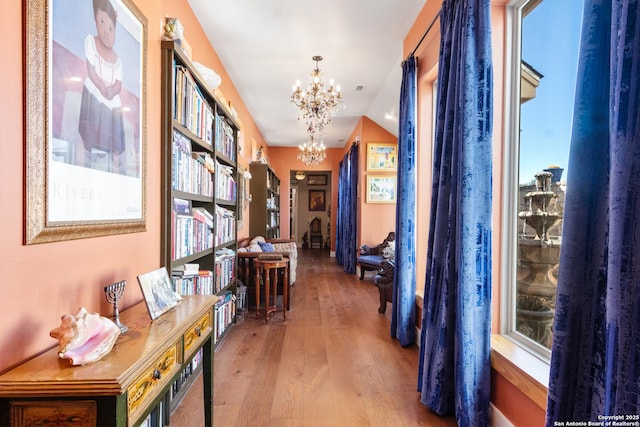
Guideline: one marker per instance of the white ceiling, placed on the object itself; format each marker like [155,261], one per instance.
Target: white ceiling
[266,45]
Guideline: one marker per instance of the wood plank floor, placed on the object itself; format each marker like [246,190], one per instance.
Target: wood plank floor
[331,363]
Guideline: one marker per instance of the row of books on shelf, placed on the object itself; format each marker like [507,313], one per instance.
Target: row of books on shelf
[225,225]
[188,283]
[275,219]
[224,138]
[191,171]
[191,108]
[271,202]
[225,313]
[273,186]
[189,369]
[192,229]
[225,182]
[155,417]
[225,264]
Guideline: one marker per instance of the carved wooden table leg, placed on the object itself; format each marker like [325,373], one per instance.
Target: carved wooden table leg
[269,268]
[257,282]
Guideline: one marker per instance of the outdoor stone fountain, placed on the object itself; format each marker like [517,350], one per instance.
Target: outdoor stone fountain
[539,256]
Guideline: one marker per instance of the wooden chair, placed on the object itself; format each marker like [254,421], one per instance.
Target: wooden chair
[315,233]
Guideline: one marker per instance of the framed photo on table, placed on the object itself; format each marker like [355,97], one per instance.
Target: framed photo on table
[158,292]
[382,157]
[381,189]
[85,126]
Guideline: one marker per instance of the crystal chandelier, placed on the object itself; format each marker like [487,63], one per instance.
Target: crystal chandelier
[317,104]
[312,153]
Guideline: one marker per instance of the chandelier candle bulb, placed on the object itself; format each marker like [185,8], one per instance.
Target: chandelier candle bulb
[317,105]
[312,153]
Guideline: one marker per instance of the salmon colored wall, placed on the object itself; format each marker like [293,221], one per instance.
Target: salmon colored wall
[285,159]
[513,404]
[376,219]
[42,282]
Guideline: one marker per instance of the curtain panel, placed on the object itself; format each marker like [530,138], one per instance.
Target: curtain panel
[404,278]
[346,219]
[454,370]
[595,359]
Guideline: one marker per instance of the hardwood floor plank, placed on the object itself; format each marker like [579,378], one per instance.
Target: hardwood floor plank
[288,397]
[331,363]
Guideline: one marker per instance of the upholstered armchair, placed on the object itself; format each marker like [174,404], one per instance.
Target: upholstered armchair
[371,257]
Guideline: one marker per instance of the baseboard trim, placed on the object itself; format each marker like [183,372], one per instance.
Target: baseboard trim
[497,418]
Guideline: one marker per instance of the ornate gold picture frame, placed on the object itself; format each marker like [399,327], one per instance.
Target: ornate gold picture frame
[84,178]
[382,157]
[381,189]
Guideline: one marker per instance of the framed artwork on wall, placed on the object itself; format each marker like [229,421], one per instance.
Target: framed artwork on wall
[317,200]
[382,157]
[85,129]
[316,179]
[158,292]
[381,189]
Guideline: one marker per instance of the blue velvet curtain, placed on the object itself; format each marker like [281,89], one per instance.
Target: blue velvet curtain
[454,371]
[347,211]
[595,361]
[404,278]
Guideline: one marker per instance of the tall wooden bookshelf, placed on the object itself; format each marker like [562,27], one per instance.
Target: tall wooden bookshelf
[199,203]
[264,210]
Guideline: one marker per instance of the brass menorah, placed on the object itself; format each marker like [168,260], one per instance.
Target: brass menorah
[113,293]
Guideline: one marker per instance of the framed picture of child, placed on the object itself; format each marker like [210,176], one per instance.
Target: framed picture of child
[85,127]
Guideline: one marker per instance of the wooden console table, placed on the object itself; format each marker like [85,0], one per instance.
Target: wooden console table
[126,385]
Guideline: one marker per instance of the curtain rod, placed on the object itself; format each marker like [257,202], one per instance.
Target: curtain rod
[435,18]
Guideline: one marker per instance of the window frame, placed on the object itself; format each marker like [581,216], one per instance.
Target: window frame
[510,191]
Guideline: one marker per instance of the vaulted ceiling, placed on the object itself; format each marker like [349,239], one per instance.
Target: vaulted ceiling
[267,45]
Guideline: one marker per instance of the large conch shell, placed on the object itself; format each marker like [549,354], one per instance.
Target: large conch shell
[85,337]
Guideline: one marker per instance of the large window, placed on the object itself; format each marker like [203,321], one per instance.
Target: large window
[544,37]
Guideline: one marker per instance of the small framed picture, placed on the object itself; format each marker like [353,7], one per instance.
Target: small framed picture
[317,200]
[317,180]
[158,292]
[382,157]
[381,189]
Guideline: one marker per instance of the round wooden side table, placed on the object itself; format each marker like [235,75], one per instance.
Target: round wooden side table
[270,270]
